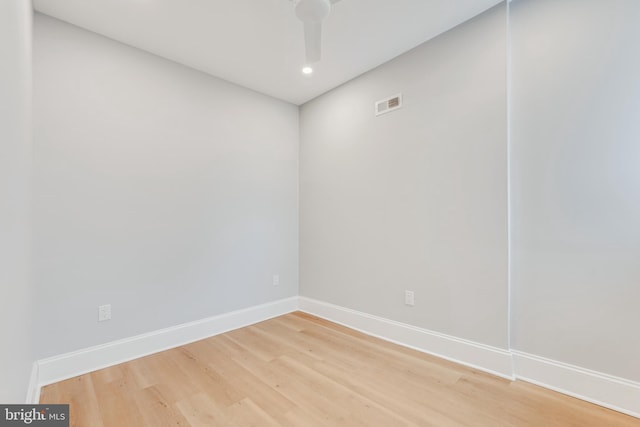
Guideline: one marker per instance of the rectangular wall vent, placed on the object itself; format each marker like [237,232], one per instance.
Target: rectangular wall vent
[389,104]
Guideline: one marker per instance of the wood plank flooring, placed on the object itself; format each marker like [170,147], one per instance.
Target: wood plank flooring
[298,370]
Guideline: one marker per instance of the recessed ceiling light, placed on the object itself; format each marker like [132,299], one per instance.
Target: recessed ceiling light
[307,70]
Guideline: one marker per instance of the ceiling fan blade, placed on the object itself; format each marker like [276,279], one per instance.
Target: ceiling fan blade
[313,40]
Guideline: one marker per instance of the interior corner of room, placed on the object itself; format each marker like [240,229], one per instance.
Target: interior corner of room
[504,197]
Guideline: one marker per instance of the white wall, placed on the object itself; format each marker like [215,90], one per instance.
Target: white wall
[173,195]
[15,169]
[165,192]
[415,199]
[576,182]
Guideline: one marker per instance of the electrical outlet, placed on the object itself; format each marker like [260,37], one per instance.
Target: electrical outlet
[276,279]
[104,312]
[409,298]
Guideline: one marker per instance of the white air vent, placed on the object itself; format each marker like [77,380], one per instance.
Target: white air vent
[389,104]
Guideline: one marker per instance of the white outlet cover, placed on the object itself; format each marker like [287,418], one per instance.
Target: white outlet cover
[409,298]
[104,312]
[276,279]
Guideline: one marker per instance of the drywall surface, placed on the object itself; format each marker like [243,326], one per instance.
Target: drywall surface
[15,169]
[169,194]
[415,199]
[576,182]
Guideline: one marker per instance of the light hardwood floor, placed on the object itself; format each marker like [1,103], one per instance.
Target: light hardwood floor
[298,370]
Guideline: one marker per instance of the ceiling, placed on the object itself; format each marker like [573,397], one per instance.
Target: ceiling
[259,44]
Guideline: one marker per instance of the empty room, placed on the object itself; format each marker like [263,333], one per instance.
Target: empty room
[320,213]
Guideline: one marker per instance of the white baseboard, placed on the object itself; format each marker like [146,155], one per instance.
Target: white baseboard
[80,362]
[605,390]
[478,356]
[601,389]
[33,391]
